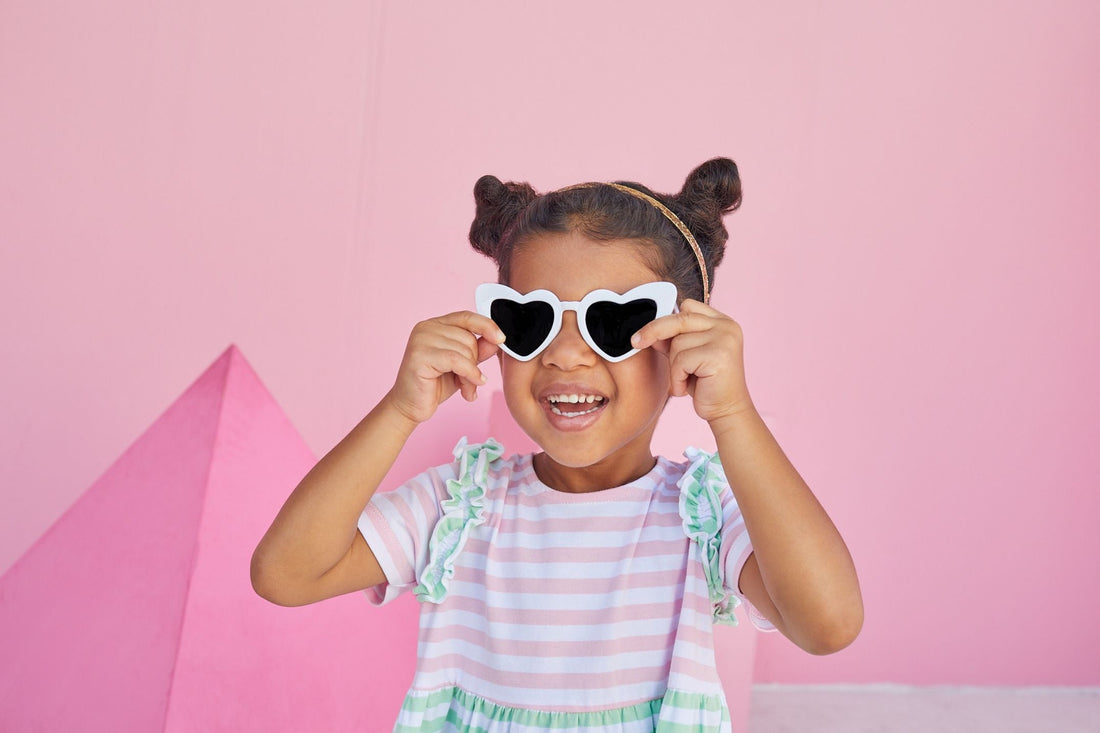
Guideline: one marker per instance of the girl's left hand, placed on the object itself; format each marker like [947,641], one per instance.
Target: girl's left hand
[705,355]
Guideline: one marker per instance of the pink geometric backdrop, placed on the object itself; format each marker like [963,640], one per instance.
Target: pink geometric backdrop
[914,265]
[135,611]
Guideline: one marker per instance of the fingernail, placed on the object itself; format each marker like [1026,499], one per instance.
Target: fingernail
[636,339]
[500,337]
[482,378]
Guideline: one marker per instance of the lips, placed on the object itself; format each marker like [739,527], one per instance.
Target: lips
[572,407]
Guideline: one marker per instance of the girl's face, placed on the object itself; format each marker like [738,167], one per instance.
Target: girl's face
[610,438]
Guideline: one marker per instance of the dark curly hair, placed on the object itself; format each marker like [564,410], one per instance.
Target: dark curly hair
[509,213]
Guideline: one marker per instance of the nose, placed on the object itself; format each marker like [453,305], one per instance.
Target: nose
[569,350]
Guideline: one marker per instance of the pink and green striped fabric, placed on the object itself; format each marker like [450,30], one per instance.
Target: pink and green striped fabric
[544,610]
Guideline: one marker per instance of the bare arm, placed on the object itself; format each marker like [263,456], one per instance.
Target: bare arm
[313,550]
[800,575]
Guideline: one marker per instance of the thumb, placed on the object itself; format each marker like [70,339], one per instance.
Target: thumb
[485,349]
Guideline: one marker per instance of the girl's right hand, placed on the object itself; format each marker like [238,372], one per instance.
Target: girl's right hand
[441,358]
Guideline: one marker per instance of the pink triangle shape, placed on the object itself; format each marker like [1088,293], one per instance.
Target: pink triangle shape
[135,610]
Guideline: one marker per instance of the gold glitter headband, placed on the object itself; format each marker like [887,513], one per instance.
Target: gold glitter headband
[668,215]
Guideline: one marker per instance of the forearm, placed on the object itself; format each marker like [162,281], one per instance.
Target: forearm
[804,564]
[316,526]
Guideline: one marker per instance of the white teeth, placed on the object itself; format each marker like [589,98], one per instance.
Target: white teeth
[574,398]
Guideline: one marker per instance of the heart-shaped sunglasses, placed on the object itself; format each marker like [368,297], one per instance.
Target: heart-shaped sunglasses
[605,318]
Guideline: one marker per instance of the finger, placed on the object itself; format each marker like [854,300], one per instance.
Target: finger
[696,306]
[684,342]
[664,346]
[474,323]
[479,348]
[469,391]
[485,349]
[460,364]
[460,340]
[451,383]
[684,369]
[669,326]
[678,377]
[688,340]
[678,383]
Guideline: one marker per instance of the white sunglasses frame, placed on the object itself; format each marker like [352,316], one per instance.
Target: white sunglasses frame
[662,293]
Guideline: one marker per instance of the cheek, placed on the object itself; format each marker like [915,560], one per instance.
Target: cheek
[648,375]
[657,365]
[514,375]
[662,389]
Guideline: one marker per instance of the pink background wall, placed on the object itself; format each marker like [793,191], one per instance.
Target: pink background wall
[915,264]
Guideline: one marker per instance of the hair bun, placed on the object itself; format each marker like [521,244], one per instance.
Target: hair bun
[710,191]
[713,187]
[498,205]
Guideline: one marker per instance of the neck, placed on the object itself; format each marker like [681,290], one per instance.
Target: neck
[606,474]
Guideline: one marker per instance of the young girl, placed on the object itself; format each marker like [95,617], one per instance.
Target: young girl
[577,587]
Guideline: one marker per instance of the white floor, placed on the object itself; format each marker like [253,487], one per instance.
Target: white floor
[903,709]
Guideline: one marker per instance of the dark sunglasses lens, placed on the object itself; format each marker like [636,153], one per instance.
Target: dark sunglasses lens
[525,325]
[612,324]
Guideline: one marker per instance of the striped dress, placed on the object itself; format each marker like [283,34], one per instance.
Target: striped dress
[545,610]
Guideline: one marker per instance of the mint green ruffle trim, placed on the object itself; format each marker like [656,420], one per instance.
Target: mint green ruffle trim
[701,512]
[464,510]
[453,708]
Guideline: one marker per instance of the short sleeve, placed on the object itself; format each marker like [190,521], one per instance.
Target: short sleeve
[397,526]
[734,553]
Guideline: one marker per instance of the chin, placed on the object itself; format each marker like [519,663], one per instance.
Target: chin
[582,455]
[572,459]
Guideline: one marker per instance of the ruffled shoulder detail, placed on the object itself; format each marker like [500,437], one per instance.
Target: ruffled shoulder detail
[464,510]
[701,511]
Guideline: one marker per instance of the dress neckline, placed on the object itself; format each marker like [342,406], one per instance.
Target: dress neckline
[640,488]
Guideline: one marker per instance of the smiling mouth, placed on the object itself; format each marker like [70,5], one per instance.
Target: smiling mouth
[573,405]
